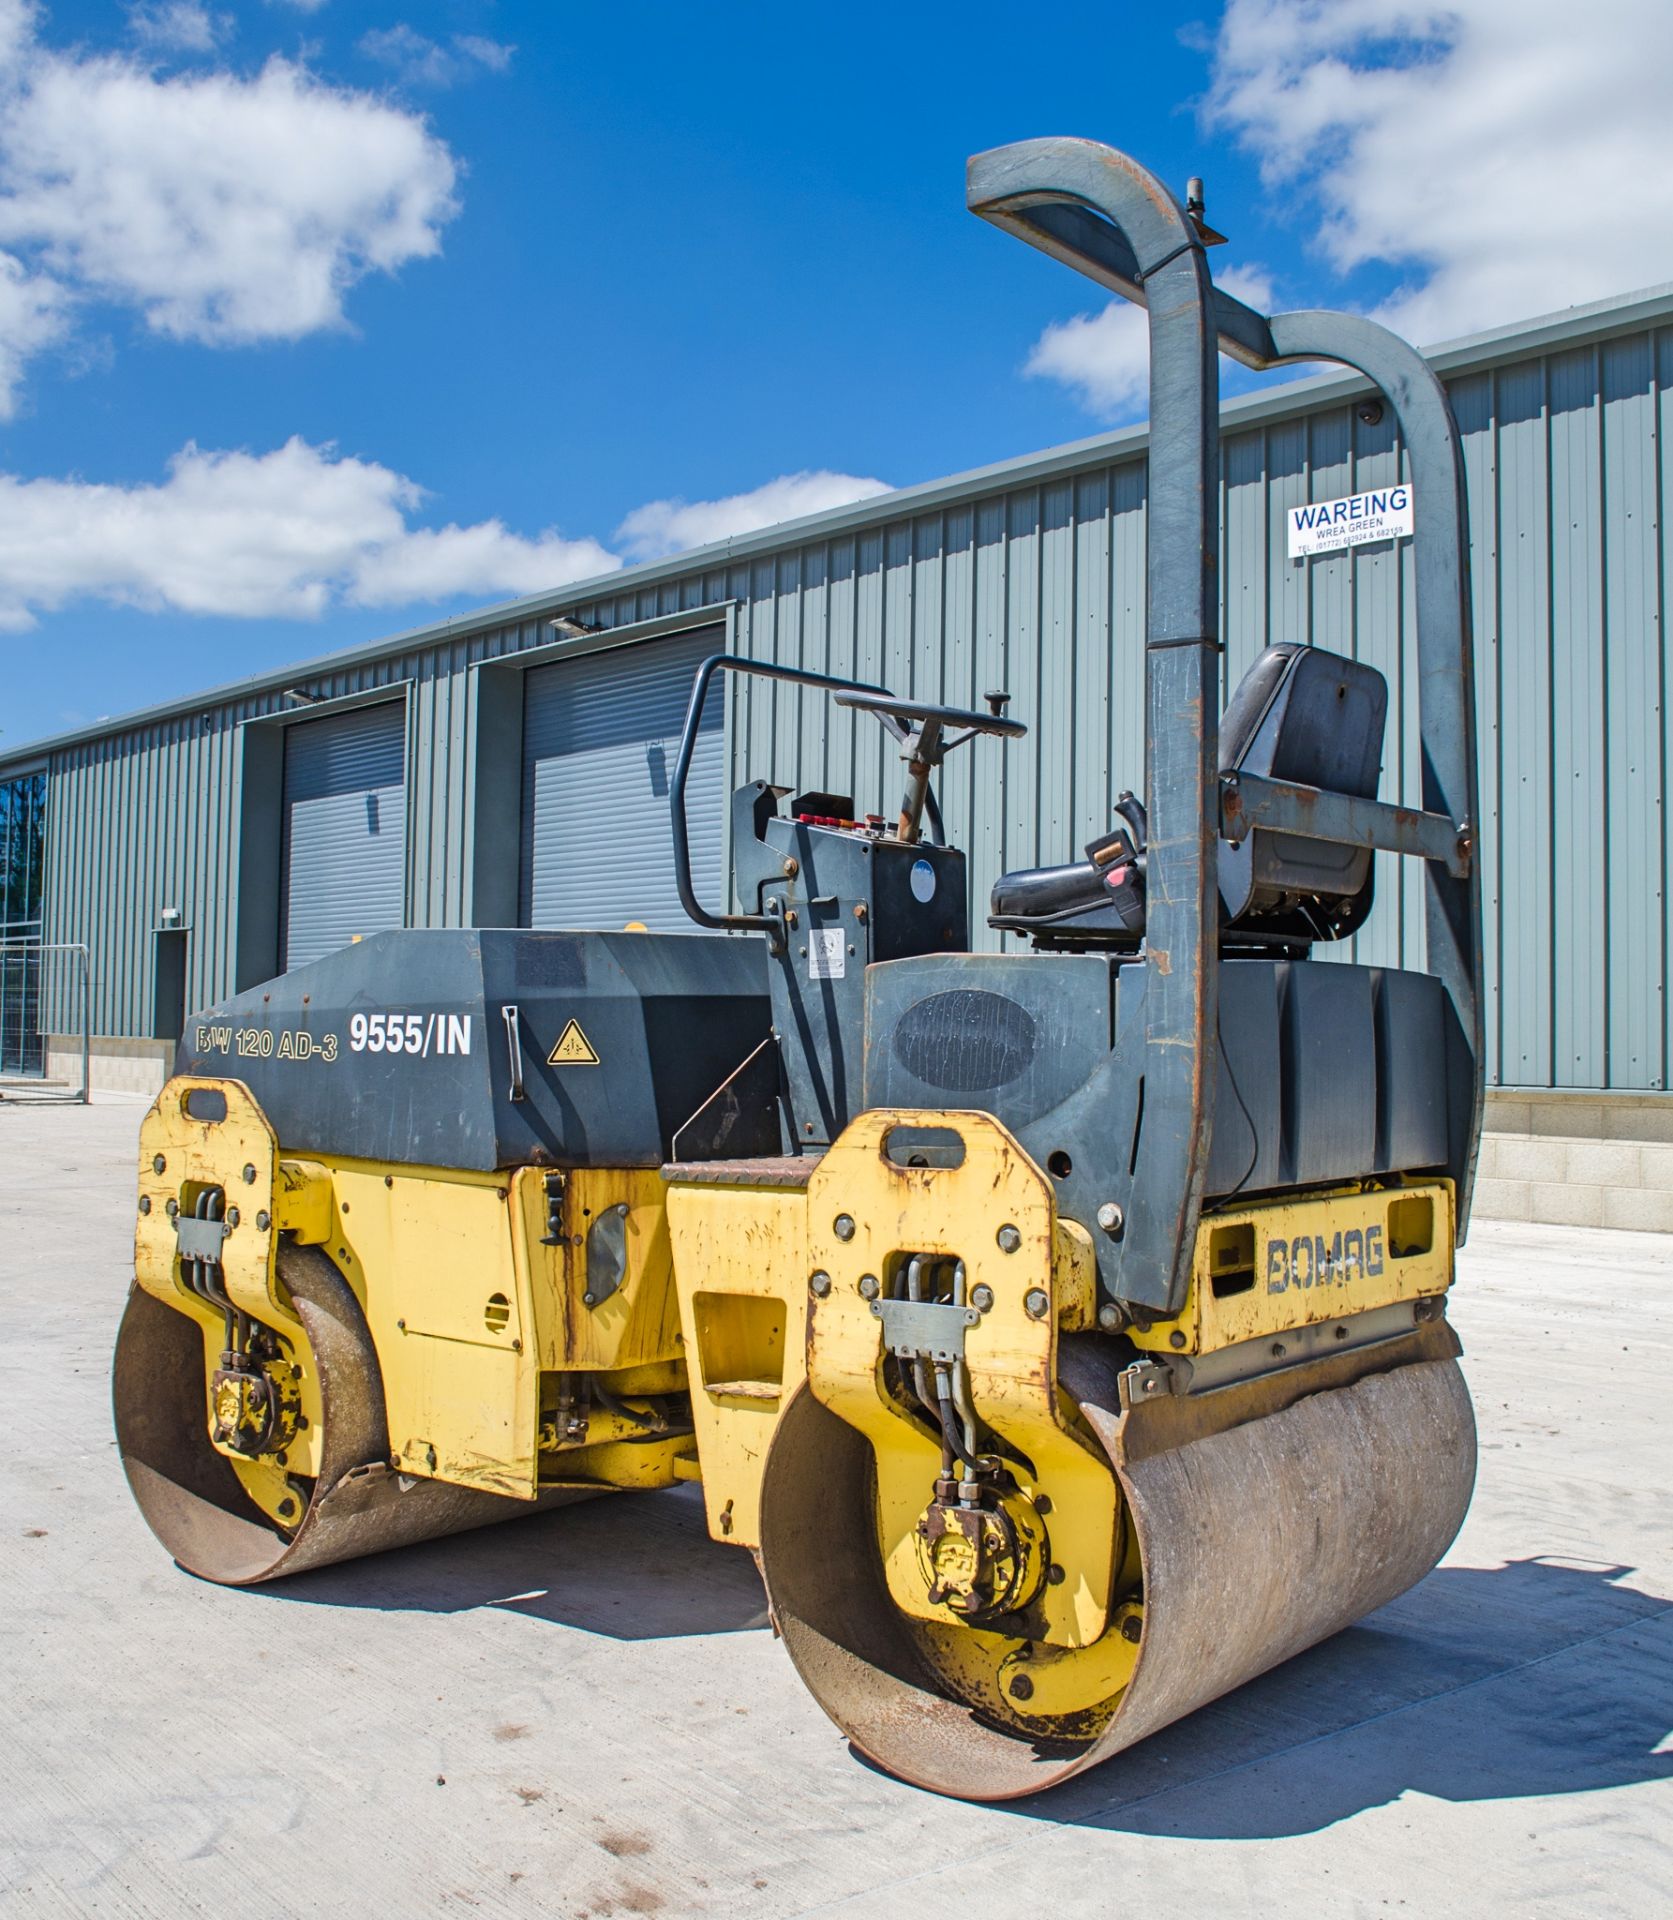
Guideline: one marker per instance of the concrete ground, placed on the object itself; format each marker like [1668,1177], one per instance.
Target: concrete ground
[585,1714]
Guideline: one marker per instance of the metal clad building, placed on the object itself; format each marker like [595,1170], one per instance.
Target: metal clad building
[487,771]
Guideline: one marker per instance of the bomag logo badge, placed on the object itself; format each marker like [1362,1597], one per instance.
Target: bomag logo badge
[1310,1260]
[574,1049]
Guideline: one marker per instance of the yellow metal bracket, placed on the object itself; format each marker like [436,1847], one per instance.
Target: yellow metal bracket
[870,1210]
[202,1134]
[598,1264]
[740,1267]
[1262,1270]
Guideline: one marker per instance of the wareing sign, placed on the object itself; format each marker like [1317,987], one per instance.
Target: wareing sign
[1328,525]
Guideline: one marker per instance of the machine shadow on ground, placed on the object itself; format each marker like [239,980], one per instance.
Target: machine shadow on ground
[1539,1677]
[633,1567]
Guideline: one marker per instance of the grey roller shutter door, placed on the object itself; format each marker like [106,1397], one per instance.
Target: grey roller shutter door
[600,738]
[345,816]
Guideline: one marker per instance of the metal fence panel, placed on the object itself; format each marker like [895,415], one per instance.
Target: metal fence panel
[45,988]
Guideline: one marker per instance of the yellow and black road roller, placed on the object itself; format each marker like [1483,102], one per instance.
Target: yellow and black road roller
[1064,1328]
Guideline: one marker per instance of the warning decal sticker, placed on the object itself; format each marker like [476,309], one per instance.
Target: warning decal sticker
[574,1049]
[827,957]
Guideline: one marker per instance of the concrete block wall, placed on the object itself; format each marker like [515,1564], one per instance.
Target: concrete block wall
[116,1065]
[1578,1159]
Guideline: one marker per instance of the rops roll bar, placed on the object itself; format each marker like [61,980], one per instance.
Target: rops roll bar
[1101,213]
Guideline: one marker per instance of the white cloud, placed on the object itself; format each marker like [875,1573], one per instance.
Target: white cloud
[495,55]
[1508,157]
[288,533]
[671,526]
[1104,357]
[421,62]
[34,314]
[225,209]
[294,532]
[480,561]
[17,28]
[182,26]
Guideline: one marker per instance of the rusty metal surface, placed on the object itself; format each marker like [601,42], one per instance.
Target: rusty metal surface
[780,1170]
[1299,1524]
[1176,1419]
[192,1499]
[1249,800]
[1256,1541]
[1151,251]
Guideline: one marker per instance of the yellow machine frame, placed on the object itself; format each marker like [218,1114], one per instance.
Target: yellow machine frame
[736,1287]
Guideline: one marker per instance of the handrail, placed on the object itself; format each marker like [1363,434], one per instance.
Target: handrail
[763,669]
[1445,660]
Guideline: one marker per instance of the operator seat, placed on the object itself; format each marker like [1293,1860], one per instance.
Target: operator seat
[1299,714]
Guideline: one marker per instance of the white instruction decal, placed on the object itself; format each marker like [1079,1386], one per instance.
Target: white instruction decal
[827,954]
[1327,526]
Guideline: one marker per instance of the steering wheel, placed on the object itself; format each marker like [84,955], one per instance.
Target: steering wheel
[899,717]
[922,731]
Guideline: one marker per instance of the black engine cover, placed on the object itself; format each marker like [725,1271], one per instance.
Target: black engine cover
[398,1048]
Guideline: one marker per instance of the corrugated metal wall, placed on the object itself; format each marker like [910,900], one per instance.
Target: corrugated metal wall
[1039,589]
[138,822]
[1567,466]
[148,818]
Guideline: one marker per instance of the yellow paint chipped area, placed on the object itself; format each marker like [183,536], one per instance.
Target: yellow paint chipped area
[1083,1684]
[468,1305]
[430,1258]
[464,1302]
[179,1157]
[302,1201]
[638,1324]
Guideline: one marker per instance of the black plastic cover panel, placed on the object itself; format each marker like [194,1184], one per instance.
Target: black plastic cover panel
[1323,1071]
[397,1048]
[1009,1036]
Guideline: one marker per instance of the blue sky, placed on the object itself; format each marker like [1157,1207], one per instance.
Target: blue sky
[320,320]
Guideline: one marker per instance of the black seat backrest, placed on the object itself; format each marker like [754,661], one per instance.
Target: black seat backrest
[1304,715]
